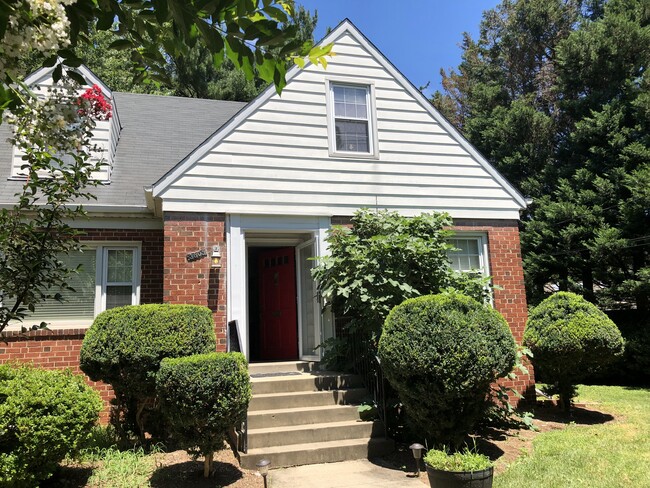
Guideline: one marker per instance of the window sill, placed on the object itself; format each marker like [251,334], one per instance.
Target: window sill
[54,325]
[352,155]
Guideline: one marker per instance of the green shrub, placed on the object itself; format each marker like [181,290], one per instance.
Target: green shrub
[570,338]
[457,461]
[44,415]
[125,345]
[441,353]
[203,397]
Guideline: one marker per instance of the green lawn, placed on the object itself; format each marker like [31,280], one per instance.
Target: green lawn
[603,455]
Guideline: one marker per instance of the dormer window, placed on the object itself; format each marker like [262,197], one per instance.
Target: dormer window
[352,128]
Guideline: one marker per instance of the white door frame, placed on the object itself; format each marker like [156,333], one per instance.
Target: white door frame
[317,316]
[237,267]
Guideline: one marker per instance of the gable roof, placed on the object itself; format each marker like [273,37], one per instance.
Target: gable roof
[157,132]
[345,27]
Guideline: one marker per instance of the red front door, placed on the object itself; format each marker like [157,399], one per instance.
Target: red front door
[278,317]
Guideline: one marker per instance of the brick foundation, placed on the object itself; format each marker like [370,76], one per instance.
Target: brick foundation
[51,349]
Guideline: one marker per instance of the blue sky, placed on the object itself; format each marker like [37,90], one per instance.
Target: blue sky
[418,36]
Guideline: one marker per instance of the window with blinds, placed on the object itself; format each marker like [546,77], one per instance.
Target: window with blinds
[78,304]
[107,277]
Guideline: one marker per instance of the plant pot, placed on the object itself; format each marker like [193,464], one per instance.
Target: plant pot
[460,479]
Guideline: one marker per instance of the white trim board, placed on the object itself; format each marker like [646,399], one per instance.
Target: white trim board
[237,265]
[346,27]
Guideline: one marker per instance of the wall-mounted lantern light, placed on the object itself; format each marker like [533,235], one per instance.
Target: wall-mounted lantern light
[216,256]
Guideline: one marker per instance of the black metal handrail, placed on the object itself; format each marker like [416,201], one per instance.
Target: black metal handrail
[233,344]
[367,364]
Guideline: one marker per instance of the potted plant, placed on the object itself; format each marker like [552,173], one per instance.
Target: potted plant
[464,469]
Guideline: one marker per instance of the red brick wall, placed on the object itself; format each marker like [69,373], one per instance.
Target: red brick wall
[196,282]
[507,272]
[51,349]
[59,348]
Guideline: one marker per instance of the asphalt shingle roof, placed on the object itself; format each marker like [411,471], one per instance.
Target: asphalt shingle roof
[157,132]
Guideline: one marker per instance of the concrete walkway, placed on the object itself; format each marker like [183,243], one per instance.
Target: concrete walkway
[359,474]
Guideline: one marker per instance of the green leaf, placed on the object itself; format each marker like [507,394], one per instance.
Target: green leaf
[121,44]
[76,77]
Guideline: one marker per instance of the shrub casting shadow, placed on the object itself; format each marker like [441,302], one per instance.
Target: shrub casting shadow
[578,415]
[69,477]
[190,473]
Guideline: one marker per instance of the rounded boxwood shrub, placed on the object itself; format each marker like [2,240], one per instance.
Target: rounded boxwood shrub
[441,353]
[202,398]
[570,338]
[125,345]
[44,415]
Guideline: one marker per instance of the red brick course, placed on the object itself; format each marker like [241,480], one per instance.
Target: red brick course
[51,349]
[196,282]
[506,269]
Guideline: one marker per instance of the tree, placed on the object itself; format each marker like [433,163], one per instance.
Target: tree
[382,260]
[54,133]
[570,338]
[195,75]
[257,37]
[555,94]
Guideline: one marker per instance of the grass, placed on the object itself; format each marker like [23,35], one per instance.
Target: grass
[614,454]
[121,469]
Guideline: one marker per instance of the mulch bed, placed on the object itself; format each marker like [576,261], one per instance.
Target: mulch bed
[177,469]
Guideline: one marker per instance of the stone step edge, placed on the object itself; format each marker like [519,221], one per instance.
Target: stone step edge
[321,425]
[314,446]
[298,410]
[306,392]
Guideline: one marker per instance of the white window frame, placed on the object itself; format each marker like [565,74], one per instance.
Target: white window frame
[373,145]
[101,273]
[481,238]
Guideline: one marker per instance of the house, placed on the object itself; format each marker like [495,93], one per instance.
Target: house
[223,204]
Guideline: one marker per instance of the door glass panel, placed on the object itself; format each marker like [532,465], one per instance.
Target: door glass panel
[308,322]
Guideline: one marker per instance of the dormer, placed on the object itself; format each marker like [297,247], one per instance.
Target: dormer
[105,135]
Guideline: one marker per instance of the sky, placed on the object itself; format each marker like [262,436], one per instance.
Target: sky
[417,36]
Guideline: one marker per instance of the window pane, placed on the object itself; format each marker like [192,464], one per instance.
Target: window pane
[467,257]
[350,102]
[352,136]
[120,266]
[117,296]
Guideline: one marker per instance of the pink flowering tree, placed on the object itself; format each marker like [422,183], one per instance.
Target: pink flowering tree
[54,134]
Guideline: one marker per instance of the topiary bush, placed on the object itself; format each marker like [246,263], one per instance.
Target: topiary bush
[125,345]
[441,353]
[570,338]
[203,397]
[44,415]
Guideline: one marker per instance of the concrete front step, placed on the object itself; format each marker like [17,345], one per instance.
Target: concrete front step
[315,381]
[303,434]
[262,419]
[283,367]
[318,452]
[303,399]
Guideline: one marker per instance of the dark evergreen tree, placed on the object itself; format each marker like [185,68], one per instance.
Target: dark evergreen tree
[556,95]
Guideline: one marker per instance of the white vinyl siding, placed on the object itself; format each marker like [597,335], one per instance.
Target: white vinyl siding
[279,159]
[105,150]
[105,138]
